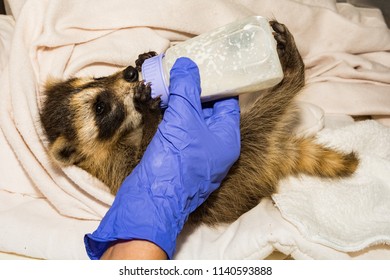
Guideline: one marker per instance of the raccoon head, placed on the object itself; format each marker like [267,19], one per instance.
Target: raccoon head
[84,117]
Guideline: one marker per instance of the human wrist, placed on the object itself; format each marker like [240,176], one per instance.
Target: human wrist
[134,250]
[138,214]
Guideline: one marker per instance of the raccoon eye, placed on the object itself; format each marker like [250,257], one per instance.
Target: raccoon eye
[99,107]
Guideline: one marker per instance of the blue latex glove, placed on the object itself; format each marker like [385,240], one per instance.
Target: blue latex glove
[187,159]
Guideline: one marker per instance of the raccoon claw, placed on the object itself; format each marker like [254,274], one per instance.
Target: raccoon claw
[143,98]
[142,58]
[281,36]
[278,27]
[142,92]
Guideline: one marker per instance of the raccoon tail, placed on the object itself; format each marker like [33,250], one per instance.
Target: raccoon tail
[315,159]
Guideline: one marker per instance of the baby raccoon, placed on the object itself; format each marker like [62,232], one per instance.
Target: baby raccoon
[104,125]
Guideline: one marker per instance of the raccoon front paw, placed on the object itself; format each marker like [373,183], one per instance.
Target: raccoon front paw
[142,58]
[143,100]
[287,50]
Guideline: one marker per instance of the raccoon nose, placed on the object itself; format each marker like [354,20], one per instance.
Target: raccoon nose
[130,74]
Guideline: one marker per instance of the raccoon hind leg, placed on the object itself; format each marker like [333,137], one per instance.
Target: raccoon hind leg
[290,59]
[274,112]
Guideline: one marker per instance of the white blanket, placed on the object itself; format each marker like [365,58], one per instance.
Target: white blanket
[349,214]
[45,210]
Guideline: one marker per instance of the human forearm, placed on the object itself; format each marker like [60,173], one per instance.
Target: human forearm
[134,250]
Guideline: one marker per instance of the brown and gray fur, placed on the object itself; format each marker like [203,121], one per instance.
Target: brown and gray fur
[104,125]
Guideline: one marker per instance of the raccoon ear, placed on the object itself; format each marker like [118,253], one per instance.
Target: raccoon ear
[51,82]
[64,151]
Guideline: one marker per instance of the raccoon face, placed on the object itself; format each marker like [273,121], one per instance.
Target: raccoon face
[85,117]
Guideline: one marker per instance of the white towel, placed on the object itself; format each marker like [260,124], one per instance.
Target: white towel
[349,214]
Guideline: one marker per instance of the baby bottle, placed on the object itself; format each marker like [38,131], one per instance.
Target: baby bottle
[236,58]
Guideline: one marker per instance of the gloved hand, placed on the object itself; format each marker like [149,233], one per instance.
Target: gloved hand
[187,159]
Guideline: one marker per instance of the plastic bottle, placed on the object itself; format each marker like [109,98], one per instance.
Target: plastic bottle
[236,58]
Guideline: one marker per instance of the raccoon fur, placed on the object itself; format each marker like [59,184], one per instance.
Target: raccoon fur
[103,125]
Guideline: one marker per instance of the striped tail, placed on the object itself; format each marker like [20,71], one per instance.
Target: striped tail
[315,159]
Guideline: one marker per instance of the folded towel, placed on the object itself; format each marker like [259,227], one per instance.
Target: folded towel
[349,214]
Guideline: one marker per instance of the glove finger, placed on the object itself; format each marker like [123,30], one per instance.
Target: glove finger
[227,107]
[184,88]
[207,111]
[225,125]
[183,119]
[225,112]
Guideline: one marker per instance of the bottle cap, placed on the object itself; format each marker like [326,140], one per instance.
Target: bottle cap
[152,72]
